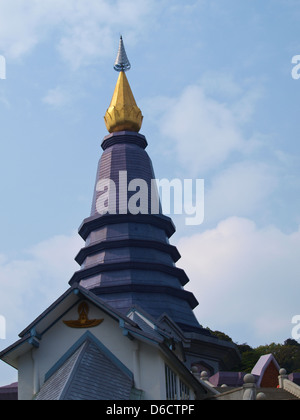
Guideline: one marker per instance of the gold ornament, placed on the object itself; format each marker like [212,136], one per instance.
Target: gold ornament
[123,113]
[83,320]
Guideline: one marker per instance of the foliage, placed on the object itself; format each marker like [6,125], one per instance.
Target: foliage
[286,354]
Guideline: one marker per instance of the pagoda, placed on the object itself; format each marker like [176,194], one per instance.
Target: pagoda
[128,287]
[127,259]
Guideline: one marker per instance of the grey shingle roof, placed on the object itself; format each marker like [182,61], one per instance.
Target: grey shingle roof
[53,388]
[90,373]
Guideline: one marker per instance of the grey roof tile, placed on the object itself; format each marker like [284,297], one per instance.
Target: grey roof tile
[89,374]
[53,388]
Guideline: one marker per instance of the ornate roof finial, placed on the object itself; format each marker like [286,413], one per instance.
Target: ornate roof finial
[122,63]
[123,113]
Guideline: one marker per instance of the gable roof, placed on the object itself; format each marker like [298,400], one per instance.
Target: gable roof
[74,291]
[262,365]
[166,323]
[88,371]
[147,332]
[147,323]
[34,332]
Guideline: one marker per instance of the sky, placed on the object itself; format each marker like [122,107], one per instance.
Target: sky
[215,84]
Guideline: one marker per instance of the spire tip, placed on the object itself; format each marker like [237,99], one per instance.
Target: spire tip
[122,63]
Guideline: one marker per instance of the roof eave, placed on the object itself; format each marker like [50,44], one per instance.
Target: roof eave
[78,290]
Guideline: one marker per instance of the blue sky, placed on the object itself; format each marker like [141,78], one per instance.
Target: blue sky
[213,80]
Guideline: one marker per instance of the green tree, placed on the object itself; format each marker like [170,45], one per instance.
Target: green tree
[286,354]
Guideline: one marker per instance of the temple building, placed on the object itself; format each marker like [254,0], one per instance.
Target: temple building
[125,327]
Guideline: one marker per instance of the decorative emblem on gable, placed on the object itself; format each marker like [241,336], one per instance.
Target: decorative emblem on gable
[83,320]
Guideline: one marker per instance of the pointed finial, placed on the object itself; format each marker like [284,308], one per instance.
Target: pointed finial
[123,113]
[122,63]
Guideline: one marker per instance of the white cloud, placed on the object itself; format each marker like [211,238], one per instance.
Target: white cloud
[246,279]
[206,123]
[242,189]
[57,97]
[30,284]
[204,130]
[241,100]
[85,30]
[23,25]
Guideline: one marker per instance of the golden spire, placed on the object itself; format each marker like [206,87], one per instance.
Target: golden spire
[123,113]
